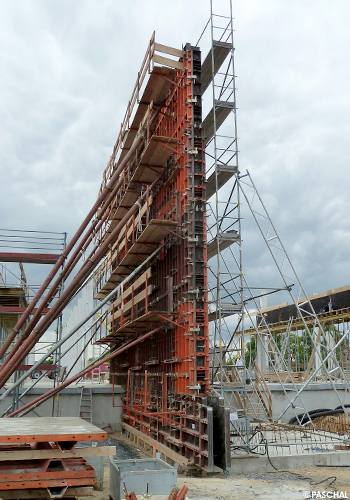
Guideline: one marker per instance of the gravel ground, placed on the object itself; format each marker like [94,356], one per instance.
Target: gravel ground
[279,485]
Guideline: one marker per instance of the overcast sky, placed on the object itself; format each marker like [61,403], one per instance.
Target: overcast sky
[67,70]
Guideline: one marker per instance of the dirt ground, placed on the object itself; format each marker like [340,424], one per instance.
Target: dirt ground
[296,484]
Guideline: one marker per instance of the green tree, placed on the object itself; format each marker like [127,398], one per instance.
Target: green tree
[250,352]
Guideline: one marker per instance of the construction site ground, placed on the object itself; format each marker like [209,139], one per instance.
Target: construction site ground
[281,484]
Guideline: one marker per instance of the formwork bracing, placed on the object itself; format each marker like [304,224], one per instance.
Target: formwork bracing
[166,252]
[167,376]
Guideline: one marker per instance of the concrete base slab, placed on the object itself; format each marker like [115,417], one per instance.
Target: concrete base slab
[260,463]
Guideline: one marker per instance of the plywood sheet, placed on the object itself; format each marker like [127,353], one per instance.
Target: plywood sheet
[221,49]
[158,151]
[222,110]
[156,90]
[29,430]
[149,239]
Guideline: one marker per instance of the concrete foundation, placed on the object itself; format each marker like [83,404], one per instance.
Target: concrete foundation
[253,463]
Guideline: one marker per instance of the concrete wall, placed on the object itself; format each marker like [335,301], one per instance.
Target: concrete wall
[314,396]
[103,412]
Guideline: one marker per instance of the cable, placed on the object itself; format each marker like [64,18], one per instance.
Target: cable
[303,418]
[262,442]
[324,480]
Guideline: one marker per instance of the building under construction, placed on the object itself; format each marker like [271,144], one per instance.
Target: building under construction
[164,253]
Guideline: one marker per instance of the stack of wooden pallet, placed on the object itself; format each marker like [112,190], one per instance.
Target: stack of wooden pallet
[39,457]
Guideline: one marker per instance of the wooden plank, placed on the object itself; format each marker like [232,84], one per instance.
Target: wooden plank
[175,457]
[102,451]
[165,61]
[155,232]
[71,492]
[128,291]
[158,151]
[168,50]
[156,90]
[236,380]
[140,296]
[129,226]
[312,357]
[29,430]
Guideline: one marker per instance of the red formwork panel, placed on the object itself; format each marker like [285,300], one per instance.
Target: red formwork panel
[177,283]
[65,431]
[33,470]
[46,483]
[29,437]
[167,375]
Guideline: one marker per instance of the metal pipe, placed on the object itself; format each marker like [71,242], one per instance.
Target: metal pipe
[70,246]
[21,351]
[46,301]
[87,239]
[82,322]
[311,376]
[26,391]
[57,389]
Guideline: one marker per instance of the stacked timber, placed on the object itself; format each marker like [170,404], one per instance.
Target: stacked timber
[39,457]
[337,423]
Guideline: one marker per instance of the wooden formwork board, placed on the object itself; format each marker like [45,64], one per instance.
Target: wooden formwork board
[284,377]
[147,173]
[156,90]
[142,279]
[128,229]
[117,215]
[71,492]
[130,198]
[158,151]
[154,233]
[48,429]
[27,453]
[144,322]
[137,298]
[138,437]
[149,239]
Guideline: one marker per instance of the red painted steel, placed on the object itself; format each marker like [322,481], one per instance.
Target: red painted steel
[47,483]
[61,386]
[17,470]
[161,373]
[19,310]
[30,258]
[20,351]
